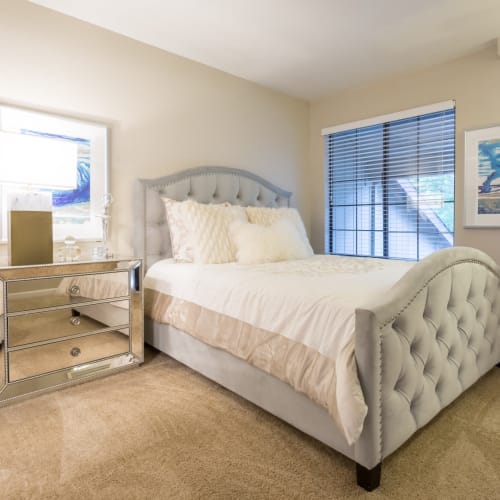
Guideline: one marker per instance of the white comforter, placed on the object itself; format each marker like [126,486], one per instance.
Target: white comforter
[310,301]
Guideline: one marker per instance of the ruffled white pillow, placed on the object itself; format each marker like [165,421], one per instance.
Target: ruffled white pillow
[179,229]
[257,243]
[267,216]
[209,226]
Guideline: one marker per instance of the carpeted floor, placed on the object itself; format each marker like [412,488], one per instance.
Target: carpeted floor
[162,431]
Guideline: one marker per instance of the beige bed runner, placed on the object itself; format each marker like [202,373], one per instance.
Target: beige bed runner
[305,369]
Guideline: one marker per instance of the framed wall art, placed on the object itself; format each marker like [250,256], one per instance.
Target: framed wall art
[66,157]
[482,178]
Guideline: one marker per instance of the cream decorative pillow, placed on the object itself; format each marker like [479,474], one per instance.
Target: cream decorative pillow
[212,243]
[257,243]
[180,231]
[267,216]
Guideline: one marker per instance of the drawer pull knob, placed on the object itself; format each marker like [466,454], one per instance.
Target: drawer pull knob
[75,320]
[75,352]
[74,290]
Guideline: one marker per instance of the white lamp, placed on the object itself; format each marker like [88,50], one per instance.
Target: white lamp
[35,162]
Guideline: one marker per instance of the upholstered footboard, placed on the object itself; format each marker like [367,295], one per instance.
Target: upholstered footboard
[432,337]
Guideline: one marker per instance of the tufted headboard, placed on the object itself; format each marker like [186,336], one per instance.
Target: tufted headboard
[151,238]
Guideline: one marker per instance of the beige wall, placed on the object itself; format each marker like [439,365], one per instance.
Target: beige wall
[474,83]
[166,113]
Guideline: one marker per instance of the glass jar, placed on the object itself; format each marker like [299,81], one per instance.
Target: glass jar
[70,252]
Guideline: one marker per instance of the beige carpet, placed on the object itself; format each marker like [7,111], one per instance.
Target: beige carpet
[162,431]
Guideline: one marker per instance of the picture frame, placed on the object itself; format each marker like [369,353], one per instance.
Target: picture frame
[77,212]
[482,177]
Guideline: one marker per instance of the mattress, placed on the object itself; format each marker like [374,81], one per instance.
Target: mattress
[293,319]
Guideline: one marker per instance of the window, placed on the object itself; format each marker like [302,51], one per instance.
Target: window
[390,184]
[66,157]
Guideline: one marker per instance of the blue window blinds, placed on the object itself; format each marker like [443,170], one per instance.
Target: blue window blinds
[390,187]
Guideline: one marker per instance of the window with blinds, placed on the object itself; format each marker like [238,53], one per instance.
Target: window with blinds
[390,187]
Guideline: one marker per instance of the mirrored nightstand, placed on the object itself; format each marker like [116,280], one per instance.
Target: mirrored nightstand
[68,322]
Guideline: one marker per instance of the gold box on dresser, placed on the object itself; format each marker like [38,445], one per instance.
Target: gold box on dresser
[68,322]
[30,237]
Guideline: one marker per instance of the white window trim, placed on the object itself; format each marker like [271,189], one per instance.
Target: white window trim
[398,115]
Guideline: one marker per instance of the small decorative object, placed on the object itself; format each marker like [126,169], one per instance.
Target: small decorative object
[103,251]
[482,177]
[30,228]
[70,252]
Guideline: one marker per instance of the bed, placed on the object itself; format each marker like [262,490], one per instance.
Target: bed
[416,347]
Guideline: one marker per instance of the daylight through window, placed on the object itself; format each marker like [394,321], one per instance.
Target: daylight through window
[390,185]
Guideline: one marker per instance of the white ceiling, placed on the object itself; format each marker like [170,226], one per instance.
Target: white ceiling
[305,48]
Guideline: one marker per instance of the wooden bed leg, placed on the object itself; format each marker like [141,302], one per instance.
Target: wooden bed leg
[498,365]
[369,479]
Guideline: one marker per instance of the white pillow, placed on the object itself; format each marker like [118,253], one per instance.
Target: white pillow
[257,244]
[209,225]
[267,216]
[179,228]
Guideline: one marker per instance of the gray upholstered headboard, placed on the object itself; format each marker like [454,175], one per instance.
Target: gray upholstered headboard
[151,238]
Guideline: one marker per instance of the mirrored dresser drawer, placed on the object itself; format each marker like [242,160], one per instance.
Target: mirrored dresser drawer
[42,293]
[66,322]
[34,361]
[60,323]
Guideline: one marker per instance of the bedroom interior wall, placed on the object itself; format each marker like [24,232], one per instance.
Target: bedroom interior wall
[166,113]
[472,81]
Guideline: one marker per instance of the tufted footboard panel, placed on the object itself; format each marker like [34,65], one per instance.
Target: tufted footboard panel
[434,336]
